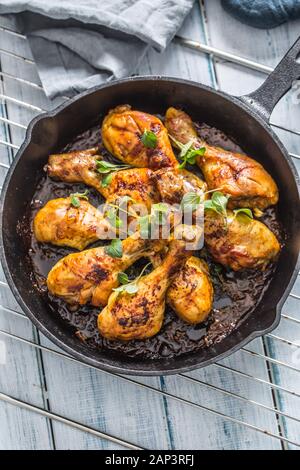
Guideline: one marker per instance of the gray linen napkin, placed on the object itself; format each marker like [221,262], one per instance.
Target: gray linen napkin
[79,44]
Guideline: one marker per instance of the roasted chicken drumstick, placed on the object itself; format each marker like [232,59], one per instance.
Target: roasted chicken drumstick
[140,315]
[241,177]
[60,223]
[90,276]
[122,132]
[81,167]
[239,242]
[191,293]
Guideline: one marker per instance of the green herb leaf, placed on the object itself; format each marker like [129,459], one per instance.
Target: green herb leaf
[245,211]
[191,157]
[75,201]
[123,278]
[185,148]
[149,139]
[114,219]
[182,165]
[160,207]
[75,198]
[119,222]
[115,249]
[188,154]
[193,154]
[107,180]
[106,167]
[209,205]
[220,201]
[131,287]
[190,201]
[217,203]
[119,289]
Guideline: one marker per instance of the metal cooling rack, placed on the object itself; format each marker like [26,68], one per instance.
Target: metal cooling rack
[11,147]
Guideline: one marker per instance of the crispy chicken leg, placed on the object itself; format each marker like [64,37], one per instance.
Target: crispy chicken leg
[122,130]
[90,276]
[191,293]
[243,178]
[140,315]
[241,242]
[60,223]
[76,167]
[81,167]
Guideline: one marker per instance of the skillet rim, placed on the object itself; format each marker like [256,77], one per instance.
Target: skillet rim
[100,364]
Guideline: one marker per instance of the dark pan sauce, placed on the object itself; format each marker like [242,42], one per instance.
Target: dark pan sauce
[236,294]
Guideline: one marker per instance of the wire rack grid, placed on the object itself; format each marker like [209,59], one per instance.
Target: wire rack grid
[12,132]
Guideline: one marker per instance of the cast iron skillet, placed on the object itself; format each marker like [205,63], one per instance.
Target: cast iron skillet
[244,118]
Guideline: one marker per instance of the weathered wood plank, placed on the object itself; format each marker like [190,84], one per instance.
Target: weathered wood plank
[20,377]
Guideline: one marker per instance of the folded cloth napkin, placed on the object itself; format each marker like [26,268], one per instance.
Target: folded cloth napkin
[263,13]
[82,43]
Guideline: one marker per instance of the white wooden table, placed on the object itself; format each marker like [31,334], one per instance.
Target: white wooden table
[248,401]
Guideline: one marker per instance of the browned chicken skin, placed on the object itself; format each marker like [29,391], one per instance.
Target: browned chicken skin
[60,223]
[76,167]
[191,293]
[239,176]
[140,315]
[240,243]
[122,130]
[81,167]
[90,276]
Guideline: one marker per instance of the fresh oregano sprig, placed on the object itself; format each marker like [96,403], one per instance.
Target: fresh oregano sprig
[131,287]
[75,198]
[191,201]
[217,203]
[158,215]
[108,169]
[115,249]
[188,154]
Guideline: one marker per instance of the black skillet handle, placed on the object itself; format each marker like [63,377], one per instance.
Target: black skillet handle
[277,84]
